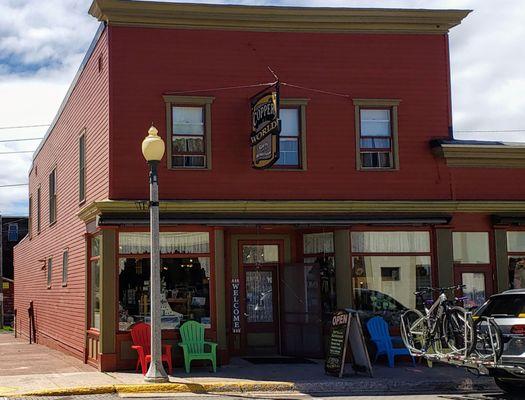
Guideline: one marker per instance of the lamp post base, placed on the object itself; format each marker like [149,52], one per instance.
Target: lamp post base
[156,374]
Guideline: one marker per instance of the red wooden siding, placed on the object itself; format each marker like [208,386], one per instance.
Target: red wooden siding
[60,311]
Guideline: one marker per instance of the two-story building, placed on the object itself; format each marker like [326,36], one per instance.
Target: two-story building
[371,196]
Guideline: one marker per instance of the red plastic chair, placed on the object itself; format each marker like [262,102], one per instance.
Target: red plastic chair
[141,335]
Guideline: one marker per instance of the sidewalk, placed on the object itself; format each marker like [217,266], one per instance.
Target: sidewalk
[36,369]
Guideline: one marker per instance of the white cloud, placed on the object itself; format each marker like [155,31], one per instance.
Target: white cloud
[43,42]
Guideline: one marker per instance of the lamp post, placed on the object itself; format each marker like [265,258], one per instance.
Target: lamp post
[153,150]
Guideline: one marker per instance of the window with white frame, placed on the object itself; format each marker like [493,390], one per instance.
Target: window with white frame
[290,138]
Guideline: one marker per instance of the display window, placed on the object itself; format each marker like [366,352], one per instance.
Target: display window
[185,273]
[387,268]
[94,282]
[516,255]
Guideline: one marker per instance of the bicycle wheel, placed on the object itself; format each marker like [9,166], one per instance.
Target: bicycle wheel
[414,331]
[488,342]
[457,331]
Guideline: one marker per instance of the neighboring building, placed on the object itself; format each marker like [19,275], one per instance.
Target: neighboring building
[370,199]
[13,230]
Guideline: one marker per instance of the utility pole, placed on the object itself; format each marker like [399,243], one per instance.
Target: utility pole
[1,274]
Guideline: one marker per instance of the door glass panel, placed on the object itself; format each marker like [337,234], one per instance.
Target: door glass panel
[517,272]
[474,290]
[259,299]
[260,254]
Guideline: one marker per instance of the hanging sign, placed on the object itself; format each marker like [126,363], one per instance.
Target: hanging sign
[266,127]
[236,306]
[346,335]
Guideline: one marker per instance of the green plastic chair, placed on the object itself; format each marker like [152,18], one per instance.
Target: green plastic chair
[192,334]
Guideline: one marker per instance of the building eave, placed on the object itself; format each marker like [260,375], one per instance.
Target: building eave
[271,18]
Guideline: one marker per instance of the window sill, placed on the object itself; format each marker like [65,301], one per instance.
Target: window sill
[82,202]
[52,223]
[64,285]
[378,169]
[285,169]
[189,169]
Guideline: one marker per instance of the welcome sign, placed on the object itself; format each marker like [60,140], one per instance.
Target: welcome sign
[266,127]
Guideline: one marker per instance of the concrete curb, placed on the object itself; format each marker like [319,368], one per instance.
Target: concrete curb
[238,387]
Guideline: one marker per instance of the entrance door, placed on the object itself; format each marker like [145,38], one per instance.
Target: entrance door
[260,265]
[478,282]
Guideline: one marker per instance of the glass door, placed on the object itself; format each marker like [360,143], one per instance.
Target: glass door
[478,282]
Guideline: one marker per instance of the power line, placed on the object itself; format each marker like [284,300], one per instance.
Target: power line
[16,152]
[13,185]
[20,140]
[24,126]
[493,131]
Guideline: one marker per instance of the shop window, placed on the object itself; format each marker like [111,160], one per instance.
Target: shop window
[94,282]
[471,247]
[318,248]
[384,283]
[516,254]
[170,242]
[52,197]
[189,126]
[185,291]
[376,134]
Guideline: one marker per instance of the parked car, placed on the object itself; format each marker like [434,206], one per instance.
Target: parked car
[508,311]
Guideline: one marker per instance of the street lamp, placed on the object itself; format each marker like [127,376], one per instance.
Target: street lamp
[153,150]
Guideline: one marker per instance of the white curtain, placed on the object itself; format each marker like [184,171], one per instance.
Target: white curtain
[390,242]
[170,242]
[315,243]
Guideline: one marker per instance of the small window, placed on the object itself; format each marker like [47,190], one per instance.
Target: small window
[65,261]
[30,219]
[12,232]
[82,168]
[52,197]
[471,247]
[290,138]
[49,271]
[189,125]
[38,210]
[376,139]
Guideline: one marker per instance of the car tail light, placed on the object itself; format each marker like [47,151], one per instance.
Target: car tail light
[518,330]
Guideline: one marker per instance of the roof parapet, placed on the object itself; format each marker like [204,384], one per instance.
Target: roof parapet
[272,18]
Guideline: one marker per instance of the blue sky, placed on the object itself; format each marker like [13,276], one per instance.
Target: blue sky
[42,44]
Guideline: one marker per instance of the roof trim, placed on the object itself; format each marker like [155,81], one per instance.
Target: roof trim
[272,18]
[83,64]
[472,153]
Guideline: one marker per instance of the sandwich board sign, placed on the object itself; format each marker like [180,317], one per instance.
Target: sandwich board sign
[346,336]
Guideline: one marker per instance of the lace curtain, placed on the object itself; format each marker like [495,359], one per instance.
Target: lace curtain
[316,243]
[390,242]
[170,242]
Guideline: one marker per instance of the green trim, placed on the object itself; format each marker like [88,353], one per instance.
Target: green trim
[445,262]
[343,269]
[264,18]
[220,289]
[108,277]
[482,156]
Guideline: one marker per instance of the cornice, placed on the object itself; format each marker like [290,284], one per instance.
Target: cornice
[269,18]
[304,206]
[482,156]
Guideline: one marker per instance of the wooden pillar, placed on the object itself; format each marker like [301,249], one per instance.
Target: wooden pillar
[445,259]
[108,311]
[220,292]
[502,260]
[343,268]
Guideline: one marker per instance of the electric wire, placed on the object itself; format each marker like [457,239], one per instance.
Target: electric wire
[19,140]
[24,126]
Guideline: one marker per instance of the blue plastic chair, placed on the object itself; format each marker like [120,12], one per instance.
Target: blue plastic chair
[380,335]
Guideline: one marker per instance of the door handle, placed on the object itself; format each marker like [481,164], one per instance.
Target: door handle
[245,314]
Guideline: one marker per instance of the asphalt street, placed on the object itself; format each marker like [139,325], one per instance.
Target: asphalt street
[281,396]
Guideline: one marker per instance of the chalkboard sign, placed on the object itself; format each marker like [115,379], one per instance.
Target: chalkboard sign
[346,335]
[337,345]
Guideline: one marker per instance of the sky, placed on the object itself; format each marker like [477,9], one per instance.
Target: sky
[42,44]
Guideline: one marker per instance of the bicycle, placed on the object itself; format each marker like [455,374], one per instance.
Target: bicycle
[444,325]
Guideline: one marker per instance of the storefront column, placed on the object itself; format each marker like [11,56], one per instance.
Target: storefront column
[343,268]
[220,294]
[502,260]
[445,258]
[108,276]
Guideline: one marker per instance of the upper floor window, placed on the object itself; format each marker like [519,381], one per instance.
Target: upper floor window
[376,134]
[12,232]
[292,139]
[30,217]
[82,168]
[52,196]
[49,271]
[65,262]
[38,209]
[189,126]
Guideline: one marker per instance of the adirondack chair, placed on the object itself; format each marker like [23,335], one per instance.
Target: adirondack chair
[378,329]
[193,345]
[141,335]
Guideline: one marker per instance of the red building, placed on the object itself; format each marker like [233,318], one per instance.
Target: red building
[371,196]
